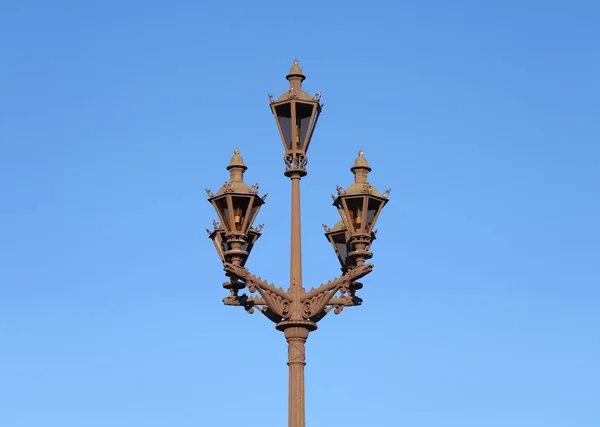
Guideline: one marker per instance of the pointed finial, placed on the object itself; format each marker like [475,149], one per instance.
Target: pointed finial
[296,62]
[236,151]
[361,153]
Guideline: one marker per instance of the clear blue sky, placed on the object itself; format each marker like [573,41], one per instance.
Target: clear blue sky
[483,117]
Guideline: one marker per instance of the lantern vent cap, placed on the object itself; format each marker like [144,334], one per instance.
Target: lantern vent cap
[339,226]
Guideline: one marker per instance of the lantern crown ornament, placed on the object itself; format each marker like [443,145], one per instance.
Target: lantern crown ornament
[296,114]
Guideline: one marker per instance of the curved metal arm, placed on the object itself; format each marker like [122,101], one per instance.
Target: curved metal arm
[352,275]
[274,298]
[316,301]
[251,280]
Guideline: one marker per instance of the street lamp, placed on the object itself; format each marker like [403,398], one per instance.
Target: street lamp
[295,311]
[360,206]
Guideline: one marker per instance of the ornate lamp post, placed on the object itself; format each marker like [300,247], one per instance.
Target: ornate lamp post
[295,311]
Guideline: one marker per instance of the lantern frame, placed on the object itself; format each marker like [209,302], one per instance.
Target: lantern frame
[232,205]
[223,246]
[296,121]
[360,211]
[343,246]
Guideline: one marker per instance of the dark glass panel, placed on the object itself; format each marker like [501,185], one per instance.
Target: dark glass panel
[372,208]
[217,237]
[341,247]
[304,114]
[253,212]
[284,118]
[223,212]
[313,123]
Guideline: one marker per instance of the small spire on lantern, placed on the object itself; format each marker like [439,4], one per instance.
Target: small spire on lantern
[361,171]
[360,163]
[236,167]
[295,76]
[236,161]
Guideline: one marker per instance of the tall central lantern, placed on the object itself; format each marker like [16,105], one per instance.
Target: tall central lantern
[296,113]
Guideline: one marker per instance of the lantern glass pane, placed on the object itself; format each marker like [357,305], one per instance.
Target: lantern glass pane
[342,248]
[313,124]
[223,212]
[253,212]
[372,208]
[220,240]
[355,212]
[240,209]
[304,114]
[284,118]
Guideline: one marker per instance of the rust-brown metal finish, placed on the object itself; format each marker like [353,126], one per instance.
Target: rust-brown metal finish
[295,311]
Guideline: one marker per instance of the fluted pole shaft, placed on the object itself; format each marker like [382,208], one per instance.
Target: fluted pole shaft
[296,338]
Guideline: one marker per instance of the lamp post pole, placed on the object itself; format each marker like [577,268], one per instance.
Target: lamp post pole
[295,312]
[296,329]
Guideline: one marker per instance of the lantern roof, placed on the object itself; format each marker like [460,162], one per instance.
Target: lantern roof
[361,184]
[338,226]
[295,77]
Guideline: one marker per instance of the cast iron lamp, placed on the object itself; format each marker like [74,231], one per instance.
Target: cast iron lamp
[295,311]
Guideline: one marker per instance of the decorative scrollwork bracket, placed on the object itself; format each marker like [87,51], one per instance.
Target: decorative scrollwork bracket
[295,163]
[275,302]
